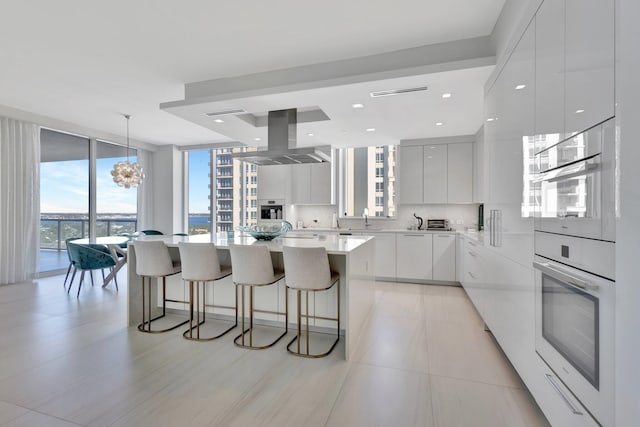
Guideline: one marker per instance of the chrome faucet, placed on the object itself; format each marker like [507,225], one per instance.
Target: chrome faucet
[365,215]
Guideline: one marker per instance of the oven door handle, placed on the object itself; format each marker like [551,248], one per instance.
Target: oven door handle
[581,167]
[564,276]
[558,390]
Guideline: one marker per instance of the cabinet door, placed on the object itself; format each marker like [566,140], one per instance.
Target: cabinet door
[301,184]
[385,244]
[444,257]
[589,63]
[414,255]
[549,73]
[410,174]
[478,168]
[460,173]
[274,182]
[435,174]
[321,184]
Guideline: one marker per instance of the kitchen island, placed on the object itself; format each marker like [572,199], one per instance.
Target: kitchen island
[351,256]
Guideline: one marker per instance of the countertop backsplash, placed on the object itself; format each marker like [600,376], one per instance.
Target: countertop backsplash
[320,216]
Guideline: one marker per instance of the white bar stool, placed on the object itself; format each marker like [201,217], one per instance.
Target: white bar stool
[252,267]
[200,264]
[152,261]
[308,270]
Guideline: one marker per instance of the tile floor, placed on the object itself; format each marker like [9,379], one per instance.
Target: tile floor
[425,360]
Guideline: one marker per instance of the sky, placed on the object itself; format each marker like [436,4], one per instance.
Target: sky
[199,181]
[64,188]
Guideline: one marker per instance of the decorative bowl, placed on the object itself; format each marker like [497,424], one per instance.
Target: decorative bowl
[266,232]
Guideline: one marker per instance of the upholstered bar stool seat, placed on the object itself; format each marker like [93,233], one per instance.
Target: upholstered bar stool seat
[154,261]
[252,267]
[200,264]
[307,271]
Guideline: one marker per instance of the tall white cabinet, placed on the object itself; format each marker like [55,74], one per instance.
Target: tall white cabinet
[311,184]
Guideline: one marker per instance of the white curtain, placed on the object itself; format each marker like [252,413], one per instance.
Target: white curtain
[19,200]
[145,190]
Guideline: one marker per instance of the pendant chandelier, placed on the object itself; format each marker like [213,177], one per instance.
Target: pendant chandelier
[127,174]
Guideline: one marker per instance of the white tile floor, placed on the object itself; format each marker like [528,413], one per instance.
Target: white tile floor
[425,360]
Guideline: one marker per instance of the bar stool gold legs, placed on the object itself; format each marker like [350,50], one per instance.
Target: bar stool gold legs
[240,339]
[189,333]
[298,337]
[145,326]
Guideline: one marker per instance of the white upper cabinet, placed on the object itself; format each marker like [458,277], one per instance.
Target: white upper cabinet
[574,67]
[321,183]
[460,173]
[478,183]
[549,66]
[589,48]
[274,182]
[435,174]
[410,174]
[311,184]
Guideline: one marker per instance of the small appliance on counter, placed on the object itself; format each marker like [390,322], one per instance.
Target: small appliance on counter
[438,225]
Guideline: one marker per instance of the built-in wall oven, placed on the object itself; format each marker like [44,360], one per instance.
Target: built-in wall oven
[271,211]
[575,185]
[575,329]
[575,269]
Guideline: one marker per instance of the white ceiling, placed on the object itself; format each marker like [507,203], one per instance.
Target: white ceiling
[88,62]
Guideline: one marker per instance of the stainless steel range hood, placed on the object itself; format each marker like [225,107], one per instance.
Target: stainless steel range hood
[281,145]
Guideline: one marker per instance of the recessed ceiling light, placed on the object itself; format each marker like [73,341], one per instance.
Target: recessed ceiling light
[257,139]
[579,111]
[446,95]
[439,123]
[396,91]
[218,120]
[490,119]
[520,87]
[310,134]
[358,105]
[371,129]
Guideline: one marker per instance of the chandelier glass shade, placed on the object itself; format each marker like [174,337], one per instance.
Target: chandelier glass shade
[127,174]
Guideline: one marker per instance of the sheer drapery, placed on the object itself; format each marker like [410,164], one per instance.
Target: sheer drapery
[19,200]
[145,190]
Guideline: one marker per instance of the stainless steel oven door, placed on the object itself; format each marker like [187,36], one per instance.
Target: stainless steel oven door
[575,333]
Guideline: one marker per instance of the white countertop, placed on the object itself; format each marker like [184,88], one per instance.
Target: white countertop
[334,244]
[371,230]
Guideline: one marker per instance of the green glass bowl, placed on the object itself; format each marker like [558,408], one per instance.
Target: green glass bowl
[266,232]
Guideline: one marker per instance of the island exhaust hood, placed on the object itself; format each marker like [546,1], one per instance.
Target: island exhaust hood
[281,145]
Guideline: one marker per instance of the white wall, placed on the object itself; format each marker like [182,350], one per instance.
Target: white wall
[168,215]
[628,221]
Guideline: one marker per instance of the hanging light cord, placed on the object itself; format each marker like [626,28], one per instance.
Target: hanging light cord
[127,116]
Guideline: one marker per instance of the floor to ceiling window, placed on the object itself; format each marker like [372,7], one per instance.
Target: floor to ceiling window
[116,207]
[68,164]
[222,191]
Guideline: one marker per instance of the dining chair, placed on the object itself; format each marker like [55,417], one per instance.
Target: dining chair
[152,233]
[88,258]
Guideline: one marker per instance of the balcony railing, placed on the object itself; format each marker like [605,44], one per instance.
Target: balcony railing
[54,231]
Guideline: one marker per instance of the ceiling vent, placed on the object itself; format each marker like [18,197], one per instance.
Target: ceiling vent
[226,112]
[390,92]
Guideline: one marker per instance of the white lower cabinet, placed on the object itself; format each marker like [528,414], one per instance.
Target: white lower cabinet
[414,256]
[444,257]
[385,266]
